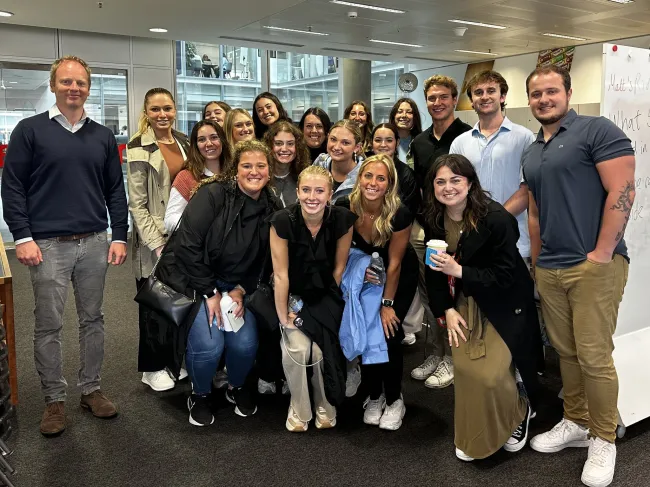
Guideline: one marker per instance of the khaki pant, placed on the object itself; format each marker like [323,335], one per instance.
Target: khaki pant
[438,334]
[297,346]
[580,308]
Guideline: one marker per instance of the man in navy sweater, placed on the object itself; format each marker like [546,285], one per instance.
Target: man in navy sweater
[62,171]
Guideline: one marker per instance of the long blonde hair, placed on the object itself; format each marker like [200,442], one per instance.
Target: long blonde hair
[143,122]
[382,227]
[229,123]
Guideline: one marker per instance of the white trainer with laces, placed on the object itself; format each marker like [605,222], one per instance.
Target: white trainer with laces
[409,339]
[353,382]
[182,375]
[159,381]
[422,372]
[461,456]
[374,410]
[264,387]
[565,434]
[601,462]
[443,376]
[393,415]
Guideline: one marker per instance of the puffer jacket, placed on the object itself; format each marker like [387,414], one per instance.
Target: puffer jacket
[361,331]
[149,185]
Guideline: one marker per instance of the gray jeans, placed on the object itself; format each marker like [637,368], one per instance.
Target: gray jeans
[85,263]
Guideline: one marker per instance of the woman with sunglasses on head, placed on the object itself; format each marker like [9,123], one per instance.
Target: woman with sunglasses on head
[290,157]
[238,126]
[343,157]
[406,117]
[360,112]
[315,124]
[216,111]
[267,110]
[310,242]
[384,227]
[155,155]
[481,290]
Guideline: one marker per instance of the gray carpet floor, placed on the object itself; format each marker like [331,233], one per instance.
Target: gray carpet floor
[151,443]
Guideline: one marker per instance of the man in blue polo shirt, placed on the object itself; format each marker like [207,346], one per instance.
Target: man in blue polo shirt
[580,173]
[62,171]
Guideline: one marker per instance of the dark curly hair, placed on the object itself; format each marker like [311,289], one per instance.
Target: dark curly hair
[302,159]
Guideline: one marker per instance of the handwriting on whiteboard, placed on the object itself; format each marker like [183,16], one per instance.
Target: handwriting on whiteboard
[636,84]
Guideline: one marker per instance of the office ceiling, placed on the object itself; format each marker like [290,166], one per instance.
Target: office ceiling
[425,23]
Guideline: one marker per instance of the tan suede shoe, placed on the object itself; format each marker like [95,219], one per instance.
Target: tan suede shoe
[53,421]
[98,404]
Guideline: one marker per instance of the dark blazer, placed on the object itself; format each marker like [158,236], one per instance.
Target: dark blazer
[497,277]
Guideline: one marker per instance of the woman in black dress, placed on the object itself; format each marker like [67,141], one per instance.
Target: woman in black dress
[384,226]
[310,241]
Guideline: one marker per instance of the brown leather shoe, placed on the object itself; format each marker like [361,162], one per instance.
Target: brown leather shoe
[53,422]
[97,403]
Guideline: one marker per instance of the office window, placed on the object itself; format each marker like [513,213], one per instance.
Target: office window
[302,81]
[385,91]
[208,72]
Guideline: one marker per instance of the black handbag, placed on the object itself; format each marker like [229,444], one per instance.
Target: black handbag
[262,304]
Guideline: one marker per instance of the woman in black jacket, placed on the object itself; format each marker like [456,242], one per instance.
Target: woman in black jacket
[222,247]
[482,291]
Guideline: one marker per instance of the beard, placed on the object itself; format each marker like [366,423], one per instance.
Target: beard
[552,119]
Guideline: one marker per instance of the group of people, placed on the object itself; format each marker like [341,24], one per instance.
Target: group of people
[338,218]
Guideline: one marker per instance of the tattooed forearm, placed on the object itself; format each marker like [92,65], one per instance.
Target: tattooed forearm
[626,199]
[620,234]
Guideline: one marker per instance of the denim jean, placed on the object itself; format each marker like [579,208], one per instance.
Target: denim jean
[84,262]
[205,346]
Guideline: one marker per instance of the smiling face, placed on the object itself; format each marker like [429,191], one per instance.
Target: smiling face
[267,111]
[71,85]
[487,98]
[404,117]
[341,145]
[548,98]
[314,131]
[209,143]
[216,113]
[440,103]
[384,142]
[313,194]
[284,147]
[252,173]
[359,115]
[161,111]
[374,181]
[449,188]
[242,128]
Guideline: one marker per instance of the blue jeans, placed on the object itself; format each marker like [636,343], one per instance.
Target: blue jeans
[205,346]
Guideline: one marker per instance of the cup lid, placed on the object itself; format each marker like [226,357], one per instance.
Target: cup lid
[437,243]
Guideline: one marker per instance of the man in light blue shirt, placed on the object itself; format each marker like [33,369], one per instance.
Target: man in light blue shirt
[495,146]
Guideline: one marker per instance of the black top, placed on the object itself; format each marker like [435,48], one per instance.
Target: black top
[400,221]
[426,148]
[407,187]
[311,260]
[315,152]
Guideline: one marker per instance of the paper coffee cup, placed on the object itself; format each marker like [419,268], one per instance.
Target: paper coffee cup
[434,247]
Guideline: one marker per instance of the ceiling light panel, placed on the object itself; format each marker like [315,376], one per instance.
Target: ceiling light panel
[562,36]
[379,41]
[478,24]
[622,1]
[4,13]
[482,53]
[297,31]
[370,7]
[158,30]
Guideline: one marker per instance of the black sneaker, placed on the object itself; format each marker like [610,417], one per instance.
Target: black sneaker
[200,412]
[243,401]
[518,439]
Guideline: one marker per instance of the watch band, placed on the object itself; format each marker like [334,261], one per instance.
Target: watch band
[387,302]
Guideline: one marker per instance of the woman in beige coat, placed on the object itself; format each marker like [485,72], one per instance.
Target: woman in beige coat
[155,154]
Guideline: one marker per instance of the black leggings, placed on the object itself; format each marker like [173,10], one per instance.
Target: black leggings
[387,377]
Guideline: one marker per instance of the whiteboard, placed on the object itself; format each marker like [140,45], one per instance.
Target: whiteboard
[626,102]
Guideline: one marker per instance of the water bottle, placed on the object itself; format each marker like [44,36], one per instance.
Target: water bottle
[295,305]
[377,266]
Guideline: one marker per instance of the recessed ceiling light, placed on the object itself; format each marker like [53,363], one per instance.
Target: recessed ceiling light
[562,36]
[477,52]
[4,13]
[478,24]
[622,1]
[157,29]
[13,82]
[296,30]
[370,7]
[394,43]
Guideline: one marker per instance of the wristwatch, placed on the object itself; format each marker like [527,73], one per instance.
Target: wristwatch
[387,302]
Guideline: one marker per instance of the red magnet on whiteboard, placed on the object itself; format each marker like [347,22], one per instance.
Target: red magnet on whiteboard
[615,48]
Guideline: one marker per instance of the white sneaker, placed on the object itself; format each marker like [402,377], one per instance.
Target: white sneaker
[374,410]
[294,424]
[409,339]
[565,434]
[285,388]
[422,372]
[182,375]
[322,421]
[353,382]
[264,387]
[461,456]
[599,467]
[393,415]
[159,381]
[443,376]
[220,379]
